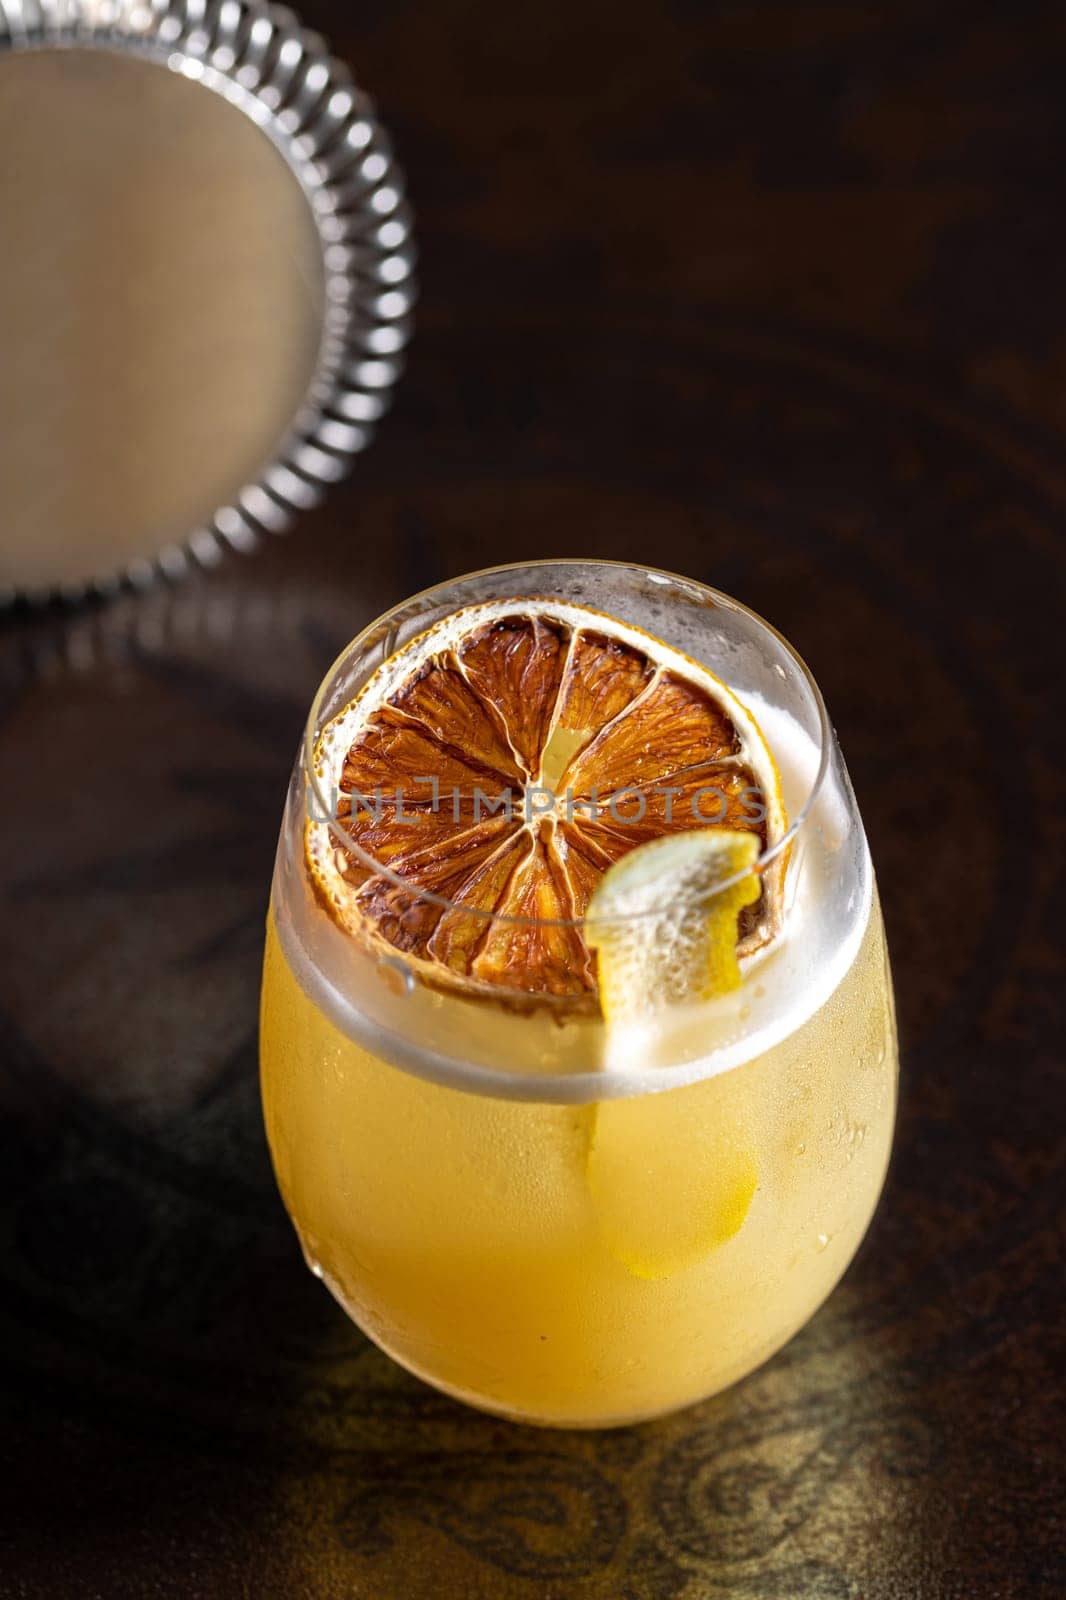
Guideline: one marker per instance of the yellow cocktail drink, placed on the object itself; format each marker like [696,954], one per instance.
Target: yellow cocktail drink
[459,1229]
[562,1207]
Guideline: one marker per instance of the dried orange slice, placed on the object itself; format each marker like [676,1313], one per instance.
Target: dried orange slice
[499,764]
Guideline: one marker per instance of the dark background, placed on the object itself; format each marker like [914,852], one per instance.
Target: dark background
[772,296]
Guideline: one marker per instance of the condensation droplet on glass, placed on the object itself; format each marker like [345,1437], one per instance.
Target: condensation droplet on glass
[393,964]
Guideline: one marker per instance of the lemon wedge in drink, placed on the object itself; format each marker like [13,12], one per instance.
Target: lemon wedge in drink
[671,1175]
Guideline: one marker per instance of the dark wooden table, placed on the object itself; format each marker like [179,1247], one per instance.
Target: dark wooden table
[771,296]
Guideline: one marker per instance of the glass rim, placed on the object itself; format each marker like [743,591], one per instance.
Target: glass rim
[315,725]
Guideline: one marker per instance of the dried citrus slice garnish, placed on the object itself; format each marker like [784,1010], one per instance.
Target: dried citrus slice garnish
[671,1175]
[495,768]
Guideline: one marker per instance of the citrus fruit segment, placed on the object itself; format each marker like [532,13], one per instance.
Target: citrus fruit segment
[663,922]
[669,1181]
[495,767]
[516,664]
[671,1176]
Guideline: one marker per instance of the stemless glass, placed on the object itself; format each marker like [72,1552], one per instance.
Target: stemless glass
[442,1155]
